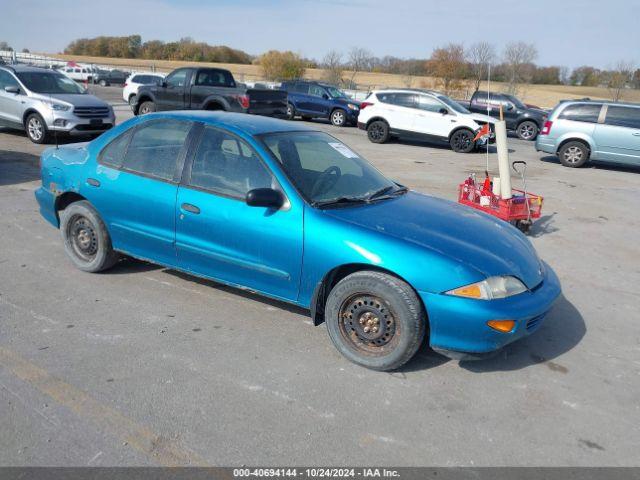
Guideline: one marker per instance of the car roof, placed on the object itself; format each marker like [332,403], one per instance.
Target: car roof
[598,102]
[408,90]
[250,124]
[17,68]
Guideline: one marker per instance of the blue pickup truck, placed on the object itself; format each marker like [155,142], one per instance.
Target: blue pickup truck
[318,100]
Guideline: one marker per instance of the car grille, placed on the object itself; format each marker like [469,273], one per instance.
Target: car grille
[91,112]
[534,322]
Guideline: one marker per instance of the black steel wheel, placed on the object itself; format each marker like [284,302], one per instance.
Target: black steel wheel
[375,320]
[462,141]
[86,239]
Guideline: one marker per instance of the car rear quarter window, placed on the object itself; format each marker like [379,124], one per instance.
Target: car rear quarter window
[155,147]
[226,165]
[581,112]
[113,154]
[623,116]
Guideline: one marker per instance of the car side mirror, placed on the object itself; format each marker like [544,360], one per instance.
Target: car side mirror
[508,107]
[325,96]
[12,89]
[444,111]
[164,84]
[264,197]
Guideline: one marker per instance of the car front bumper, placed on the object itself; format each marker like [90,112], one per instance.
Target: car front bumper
[70,124]
[458,326]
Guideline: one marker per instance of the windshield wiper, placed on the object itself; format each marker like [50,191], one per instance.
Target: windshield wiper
[379,194]
[339,201]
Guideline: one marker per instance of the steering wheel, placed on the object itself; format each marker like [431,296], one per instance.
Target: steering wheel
[326,180]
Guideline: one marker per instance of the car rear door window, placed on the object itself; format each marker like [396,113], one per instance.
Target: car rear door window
[623,116]
[400,99]
[214,78]
[155,147]
[581,112]
[301,88]
[113,154]
[227,165]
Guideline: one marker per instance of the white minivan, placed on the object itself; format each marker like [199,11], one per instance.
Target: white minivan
[421,113]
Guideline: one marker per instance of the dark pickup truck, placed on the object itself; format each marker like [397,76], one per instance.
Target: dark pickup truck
[194,88]
[525,121]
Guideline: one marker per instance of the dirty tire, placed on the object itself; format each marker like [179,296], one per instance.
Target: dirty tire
[86,239]
[574,154]
[367,296]
[147,107]
[527,130]
[36,128]
[462,141]
[378,131]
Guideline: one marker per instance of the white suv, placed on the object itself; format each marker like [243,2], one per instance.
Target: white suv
[135,81]
[422,113]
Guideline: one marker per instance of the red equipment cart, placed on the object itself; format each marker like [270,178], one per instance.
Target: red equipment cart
[519,210]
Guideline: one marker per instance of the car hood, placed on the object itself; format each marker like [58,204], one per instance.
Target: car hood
[344,101]
[77,100]
[472,238]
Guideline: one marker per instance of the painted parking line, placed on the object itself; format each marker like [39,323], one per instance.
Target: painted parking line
[160,449]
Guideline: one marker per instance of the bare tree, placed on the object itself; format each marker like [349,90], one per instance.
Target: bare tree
[518,59]
[619,79]
[564,75]
[360,60]
[448,65]
[332,64]
[479,56]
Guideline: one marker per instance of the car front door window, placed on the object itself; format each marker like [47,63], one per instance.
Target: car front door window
[177,79]
[226,165]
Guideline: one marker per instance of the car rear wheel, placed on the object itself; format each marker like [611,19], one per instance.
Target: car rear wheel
[103,83]
[462,141]
[573,154]
[147,107]
[527,130]
[378,131]
[86,239]
[375,320]
[133,99]
[338,117]
[36,128]
[291,111]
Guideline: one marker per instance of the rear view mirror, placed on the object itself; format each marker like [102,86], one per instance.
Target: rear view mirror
[444,111]
[264,197]
[325,96]
[12,89]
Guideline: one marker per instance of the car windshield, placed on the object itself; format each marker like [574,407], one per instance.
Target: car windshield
[516,101]
[49,82]
[335,93]
[326,171]
[452,104]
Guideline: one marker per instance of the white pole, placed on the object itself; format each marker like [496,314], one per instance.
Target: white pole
[503,159]
[488,108]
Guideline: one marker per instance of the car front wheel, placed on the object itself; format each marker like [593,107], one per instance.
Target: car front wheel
[338,117]
[375,320]
[462,141]
[291,111]
[527,130]
[36,128]
[86,239]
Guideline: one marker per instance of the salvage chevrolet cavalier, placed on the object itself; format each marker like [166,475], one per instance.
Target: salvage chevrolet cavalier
[294,214]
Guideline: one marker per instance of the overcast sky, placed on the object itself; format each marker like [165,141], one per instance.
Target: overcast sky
[566,32]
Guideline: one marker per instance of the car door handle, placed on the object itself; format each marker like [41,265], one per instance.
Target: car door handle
[636,134]
[187,207]
[93,182]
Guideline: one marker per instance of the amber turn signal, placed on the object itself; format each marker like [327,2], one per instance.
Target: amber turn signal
[504,326]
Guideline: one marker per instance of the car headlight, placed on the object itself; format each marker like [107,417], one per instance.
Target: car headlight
[491,288]
[60,107]
[351,106]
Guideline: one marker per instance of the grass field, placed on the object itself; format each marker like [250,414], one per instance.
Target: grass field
[542,95]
